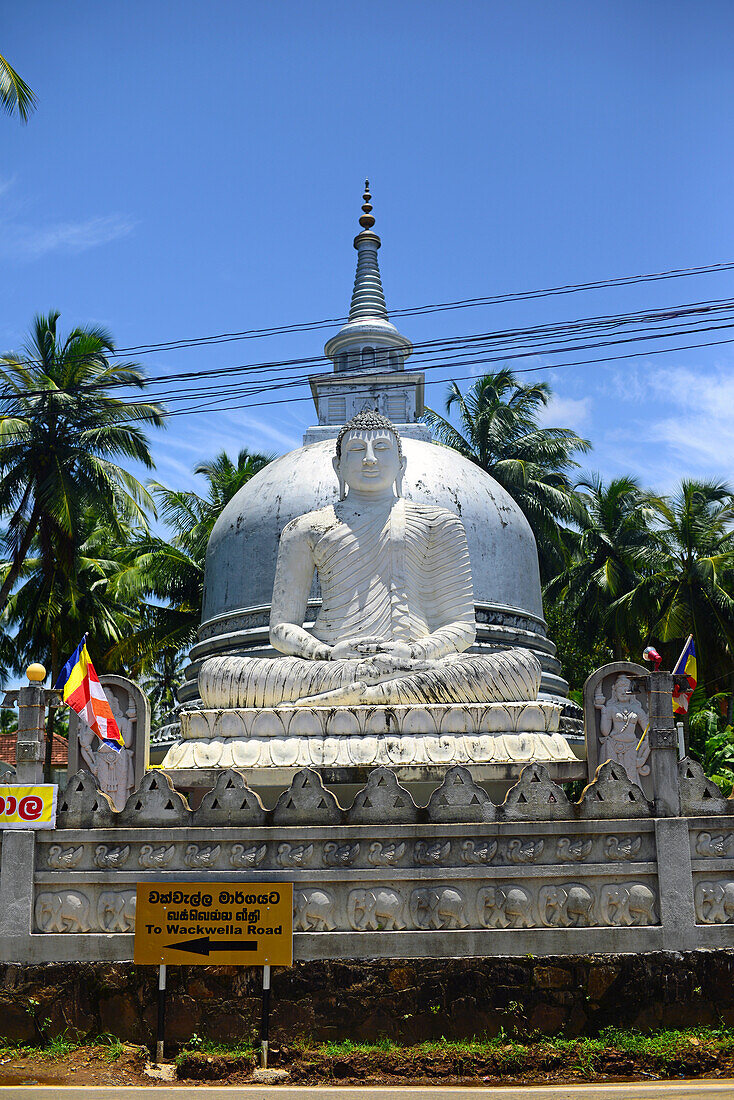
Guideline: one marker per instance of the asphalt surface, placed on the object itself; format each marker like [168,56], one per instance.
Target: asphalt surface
[658,1090]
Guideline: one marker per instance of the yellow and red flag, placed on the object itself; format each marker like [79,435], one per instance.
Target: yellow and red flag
[686,665]
[83,692]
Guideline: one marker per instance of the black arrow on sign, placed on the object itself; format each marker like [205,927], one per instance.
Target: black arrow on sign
[205,946]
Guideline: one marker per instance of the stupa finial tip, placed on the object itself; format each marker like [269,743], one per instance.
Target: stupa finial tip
[367,220]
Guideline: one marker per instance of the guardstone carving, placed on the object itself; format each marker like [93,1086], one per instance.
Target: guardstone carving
[615,717]
[118,773]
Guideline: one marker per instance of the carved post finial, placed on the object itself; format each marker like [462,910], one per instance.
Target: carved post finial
[36,673]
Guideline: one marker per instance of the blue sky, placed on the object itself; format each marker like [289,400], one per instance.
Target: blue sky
[197,168]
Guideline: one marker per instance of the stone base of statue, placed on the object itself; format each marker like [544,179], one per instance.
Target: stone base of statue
[504,734]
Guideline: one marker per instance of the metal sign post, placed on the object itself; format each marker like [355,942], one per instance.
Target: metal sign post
[210,923]
[265,1024]
[161,1029]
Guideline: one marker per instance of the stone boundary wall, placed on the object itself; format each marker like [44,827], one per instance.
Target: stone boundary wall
[409,1000]
[459,878]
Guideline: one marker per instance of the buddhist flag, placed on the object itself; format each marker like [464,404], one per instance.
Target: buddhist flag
[686,665]
[83,692]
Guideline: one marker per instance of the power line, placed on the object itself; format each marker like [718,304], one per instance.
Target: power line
[421,310]
[556,331]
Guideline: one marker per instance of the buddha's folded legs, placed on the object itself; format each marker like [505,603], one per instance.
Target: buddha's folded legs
[504,676]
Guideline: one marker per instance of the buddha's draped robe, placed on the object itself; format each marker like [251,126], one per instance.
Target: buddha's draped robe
[399,573]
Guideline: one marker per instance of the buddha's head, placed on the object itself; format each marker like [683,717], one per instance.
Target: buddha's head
[369,456]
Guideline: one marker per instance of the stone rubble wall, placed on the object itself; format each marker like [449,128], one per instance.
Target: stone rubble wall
[384,878]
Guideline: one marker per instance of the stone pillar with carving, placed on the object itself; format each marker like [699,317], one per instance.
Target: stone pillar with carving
[663,741]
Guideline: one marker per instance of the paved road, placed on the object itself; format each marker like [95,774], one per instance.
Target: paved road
[658,1090]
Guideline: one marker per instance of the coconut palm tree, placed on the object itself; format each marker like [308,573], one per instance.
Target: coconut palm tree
[15,95]
[60,430]
[688,584]
[499,431]
[50,609]
[169,574]
[608,551]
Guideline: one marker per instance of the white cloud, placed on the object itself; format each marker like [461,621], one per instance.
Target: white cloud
[566,412]
[27,242]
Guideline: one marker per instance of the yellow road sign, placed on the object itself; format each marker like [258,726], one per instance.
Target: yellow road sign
[211,923]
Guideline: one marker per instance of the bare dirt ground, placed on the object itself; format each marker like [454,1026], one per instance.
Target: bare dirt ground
[500,1065]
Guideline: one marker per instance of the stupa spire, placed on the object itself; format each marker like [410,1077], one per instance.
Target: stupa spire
[368,297]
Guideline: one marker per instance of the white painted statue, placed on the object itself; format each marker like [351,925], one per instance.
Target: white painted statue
[397,611]
[622,722]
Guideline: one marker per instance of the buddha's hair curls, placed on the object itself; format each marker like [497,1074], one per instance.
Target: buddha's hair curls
[370,420]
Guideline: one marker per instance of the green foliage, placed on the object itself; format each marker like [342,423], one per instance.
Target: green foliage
[579,657]
[500,431]
[711,742]
[15,95]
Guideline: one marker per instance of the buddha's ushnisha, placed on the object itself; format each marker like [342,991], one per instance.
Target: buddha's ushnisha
[397,607]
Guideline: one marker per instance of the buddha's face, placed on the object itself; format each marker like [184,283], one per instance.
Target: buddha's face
[370,461]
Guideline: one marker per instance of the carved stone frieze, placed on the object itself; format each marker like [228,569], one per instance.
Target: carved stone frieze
[64,859]
[247,856]
[440,907]
[62,911]
[386,854]
[340,855]
[714,901]
[375,910]
[478,851]
[111,855]
[506,906]
[156,857]
[573,851]
[622,848]
[527,851]
[201,856]
[295,855]
[313,911]
[431,853]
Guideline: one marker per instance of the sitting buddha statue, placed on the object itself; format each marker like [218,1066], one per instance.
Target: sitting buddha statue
[397,611]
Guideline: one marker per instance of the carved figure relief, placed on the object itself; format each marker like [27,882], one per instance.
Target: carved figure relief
[525,852]
[429,854]
[626,848]
[116,911]
[155,858]
[313,911]
[64,858]
[295,855]
[438,908]
[385,854]
[67,911]
[340,855]
[714,902]
[375,910]
[622,721]
[567,906]
[478,852]
[199,856]
[572,851]
[628,905]
[505,907]
[117,773]
[708,845]
[108,855]
[247,857]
